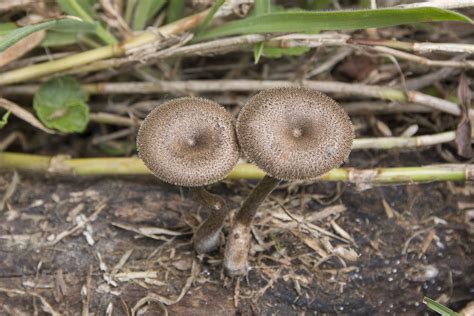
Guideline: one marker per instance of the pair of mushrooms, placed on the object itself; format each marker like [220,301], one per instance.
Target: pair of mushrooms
[290,133]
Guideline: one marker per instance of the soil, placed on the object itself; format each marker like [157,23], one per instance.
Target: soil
[104,267]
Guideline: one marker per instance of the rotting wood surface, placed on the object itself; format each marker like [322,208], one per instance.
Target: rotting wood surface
[416,243]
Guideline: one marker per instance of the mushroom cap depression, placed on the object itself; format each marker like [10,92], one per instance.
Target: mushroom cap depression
[188,142]
[294,133]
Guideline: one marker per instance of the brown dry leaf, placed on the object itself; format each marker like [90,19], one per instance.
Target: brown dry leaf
[463,130]
[313,244]
[24,115]
[326,212]
[383,128]
[341,232]
[21,47]
[348,254]
[390,211]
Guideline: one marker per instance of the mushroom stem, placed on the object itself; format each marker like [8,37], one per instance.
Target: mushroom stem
[206,237]
[238,241]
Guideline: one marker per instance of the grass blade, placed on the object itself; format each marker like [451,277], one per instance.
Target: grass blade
[332,20]
[72,7]
[175,10]
[438,307]
[261,7]
[6,28]
[144,11]
[62,24]
[209,16]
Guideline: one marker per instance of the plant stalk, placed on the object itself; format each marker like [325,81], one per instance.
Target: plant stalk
[115,50]
[214,86]
[65,165]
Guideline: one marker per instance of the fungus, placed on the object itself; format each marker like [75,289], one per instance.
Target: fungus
[291,134]
[191,142]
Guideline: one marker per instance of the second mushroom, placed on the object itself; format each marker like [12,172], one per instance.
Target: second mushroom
[291,134]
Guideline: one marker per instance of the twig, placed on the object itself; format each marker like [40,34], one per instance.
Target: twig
[464,64]
[197,86]
[113,119]
[134,166]
[115,50]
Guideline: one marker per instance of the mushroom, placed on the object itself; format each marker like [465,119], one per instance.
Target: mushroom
[291,134]
[191,142]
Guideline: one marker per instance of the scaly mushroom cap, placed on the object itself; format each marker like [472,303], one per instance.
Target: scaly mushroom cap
[294,133]
[188,142]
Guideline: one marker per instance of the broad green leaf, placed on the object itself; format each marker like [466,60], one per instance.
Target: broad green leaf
[64,25]
[277,52]
[331,20]
[60,103]
[144,11]
[175,10]
[4,119]
[439,308]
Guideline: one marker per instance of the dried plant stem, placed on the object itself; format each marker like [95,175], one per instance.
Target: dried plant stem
[64,165]
[115,50]
[404,142]
[206,237]
[246,42]
[113,119]
[238,240]
[200,86]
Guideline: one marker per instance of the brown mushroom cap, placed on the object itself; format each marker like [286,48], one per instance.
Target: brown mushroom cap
[294,133]
[188,142]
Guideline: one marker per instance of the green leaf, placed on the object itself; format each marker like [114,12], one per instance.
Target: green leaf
[116,148]
[261,7]
[331,20]
[257,51]
[318,4]
[175,10]
[439,308]
[4,119]
[73,7]
[65,25]
[57,39]
[84,10]
[277,52]
[60,103]
[6,28]
[144,11]
[209,16]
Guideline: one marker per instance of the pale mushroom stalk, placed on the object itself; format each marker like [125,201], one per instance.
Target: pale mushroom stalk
[238,241]
[206,237]
[191,142]
[291,134]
